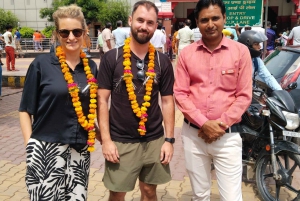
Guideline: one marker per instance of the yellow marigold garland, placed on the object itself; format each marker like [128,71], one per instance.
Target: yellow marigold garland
[88,123]
[140,111]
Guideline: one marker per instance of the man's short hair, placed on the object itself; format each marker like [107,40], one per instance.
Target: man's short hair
[206,3]
[180,25]
[159,25]
[187,22]
[119,23]
[88,22]
[8,27]
[108,25]
[147,4]
[269,23]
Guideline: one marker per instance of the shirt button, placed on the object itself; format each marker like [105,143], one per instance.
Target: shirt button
[211,68]
[210,82]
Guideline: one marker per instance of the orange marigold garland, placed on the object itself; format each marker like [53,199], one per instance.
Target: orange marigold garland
[140,111]
[88,123]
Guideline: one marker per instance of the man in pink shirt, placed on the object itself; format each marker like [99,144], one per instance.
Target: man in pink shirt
[213,88]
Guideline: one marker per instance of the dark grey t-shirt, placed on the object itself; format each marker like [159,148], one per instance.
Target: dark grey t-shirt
[46,97]
[123,122]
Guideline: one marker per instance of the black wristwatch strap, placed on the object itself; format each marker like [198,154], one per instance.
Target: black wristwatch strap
[171,140]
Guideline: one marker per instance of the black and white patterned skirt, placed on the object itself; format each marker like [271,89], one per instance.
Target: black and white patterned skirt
[56,172]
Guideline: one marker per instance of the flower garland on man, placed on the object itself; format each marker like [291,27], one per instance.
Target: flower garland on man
[132,80]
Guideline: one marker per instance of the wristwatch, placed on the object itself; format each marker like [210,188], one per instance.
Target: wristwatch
[171,140]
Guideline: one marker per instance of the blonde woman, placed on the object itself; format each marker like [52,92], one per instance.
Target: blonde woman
[59,94]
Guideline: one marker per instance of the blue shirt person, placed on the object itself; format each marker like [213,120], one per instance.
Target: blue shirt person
[264,73]
[119,35]
[252,39]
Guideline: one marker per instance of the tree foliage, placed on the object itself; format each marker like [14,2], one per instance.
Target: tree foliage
[26,32]
[112,11]
[90,8]
[48,31]
[7,18]
[94,10]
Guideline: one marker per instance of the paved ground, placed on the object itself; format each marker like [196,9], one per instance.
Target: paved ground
[12,159]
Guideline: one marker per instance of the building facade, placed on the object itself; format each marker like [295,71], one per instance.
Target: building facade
[283,13]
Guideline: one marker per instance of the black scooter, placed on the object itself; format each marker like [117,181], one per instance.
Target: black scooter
[267,129]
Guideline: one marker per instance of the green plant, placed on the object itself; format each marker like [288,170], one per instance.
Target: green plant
[7,18]
[26,32]
[112,11]
[48,31]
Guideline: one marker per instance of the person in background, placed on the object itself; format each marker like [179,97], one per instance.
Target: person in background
[174,40]
[271,35]
[108,38]
[119,35]
[252,40]
[100,44]
[197,34]
[169,47]
[0,81]
[132,81]
[37,37]
[237,30]
[228,34]
[295,34]
[158,40]
[86,45]
[59,96]
[213,88]
[1,48]
[185,36]
[9,49]
[18,39]
[233,33]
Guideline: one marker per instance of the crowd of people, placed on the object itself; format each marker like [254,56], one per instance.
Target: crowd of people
[128,103]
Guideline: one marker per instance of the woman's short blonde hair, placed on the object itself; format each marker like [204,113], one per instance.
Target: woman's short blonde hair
[71,11]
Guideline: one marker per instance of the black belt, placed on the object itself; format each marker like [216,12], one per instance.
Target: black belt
[234,127]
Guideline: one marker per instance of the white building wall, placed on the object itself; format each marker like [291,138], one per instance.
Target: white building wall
[27,11]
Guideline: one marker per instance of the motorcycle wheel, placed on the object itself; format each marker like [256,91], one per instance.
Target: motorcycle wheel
[285,189]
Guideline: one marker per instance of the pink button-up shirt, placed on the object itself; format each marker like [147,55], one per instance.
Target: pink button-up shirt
[214,85]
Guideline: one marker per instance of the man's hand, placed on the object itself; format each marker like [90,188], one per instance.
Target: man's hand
[110,151]
[166,153]
[212,130]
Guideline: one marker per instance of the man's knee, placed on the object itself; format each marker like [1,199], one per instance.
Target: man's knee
[116,196]
[148,190]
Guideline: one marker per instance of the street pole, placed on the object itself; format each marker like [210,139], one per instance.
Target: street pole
[266,20]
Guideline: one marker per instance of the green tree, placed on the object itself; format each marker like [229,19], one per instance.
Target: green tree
[90,8]
[7,17]
[48,31]
[26,32]
[112,11]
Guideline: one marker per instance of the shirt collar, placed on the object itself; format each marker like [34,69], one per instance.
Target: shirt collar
[224,43]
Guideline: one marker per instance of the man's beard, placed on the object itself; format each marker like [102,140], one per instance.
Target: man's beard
[139,39]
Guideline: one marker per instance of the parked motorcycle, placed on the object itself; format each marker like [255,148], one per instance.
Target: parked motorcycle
[267,129]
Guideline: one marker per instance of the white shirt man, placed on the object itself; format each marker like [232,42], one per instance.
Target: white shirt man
[108,38]
[295,35]
[185,36]
[158,39]
[197,34]
[119,35]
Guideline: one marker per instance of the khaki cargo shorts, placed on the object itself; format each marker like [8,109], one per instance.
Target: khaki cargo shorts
[137,160]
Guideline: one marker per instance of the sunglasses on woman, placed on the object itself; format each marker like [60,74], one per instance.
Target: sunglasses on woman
[64,33]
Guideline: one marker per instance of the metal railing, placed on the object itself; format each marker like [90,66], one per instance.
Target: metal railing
[28,44]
